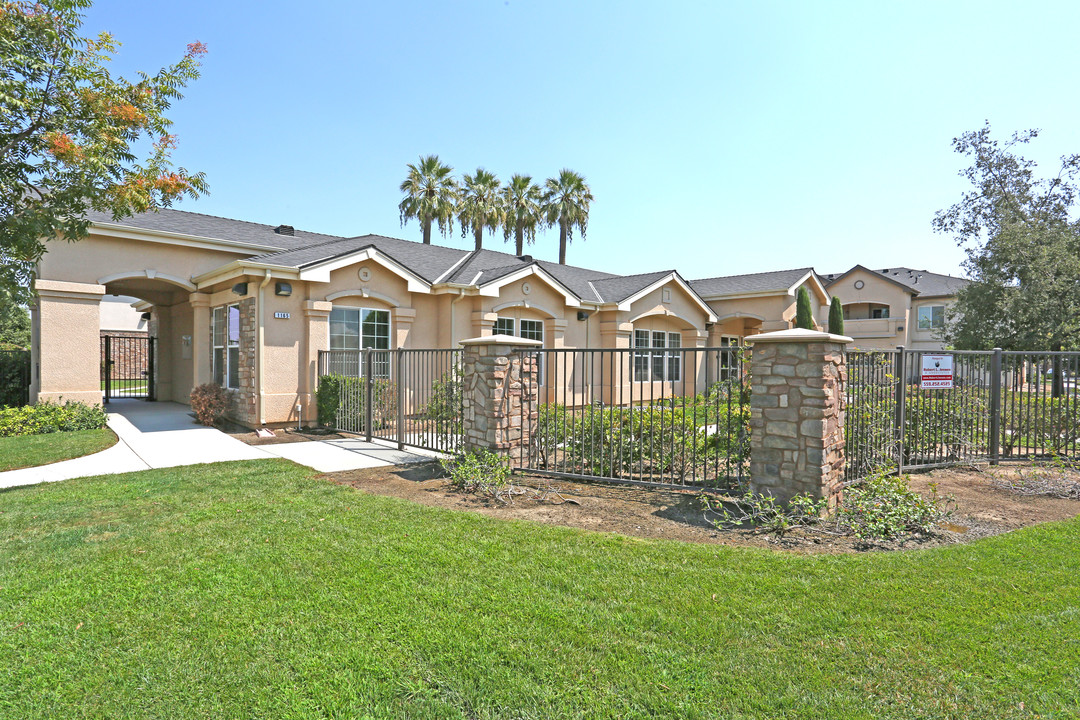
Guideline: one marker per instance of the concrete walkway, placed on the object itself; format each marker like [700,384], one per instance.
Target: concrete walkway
[162,435]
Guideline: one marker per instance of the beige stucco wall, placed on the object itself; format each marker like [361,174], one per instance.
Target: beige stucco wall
[901,328]
[66,342]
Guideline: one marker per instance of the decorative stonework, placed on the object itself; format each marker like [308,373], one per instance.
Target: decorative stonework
[797,413]
[497,411]
[243,400]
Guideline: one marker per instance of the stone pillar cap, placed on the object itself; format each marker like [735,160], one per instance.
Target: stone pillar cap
[502,340]
[797,335]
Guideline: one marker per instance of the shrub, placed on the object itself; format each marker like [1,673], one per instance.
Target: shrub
[804,316]
[479,472]
[445,403]
[209,402]
[341,400]
[14,375]
[836,317]
[48,417]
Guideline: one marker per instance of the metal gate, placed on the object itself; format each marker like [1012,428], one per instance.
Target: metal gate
[408,397]
[127,367]
[656,416]
[1004,405]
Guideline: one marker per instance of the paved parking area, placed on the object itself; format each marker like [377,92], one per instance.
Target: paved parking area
[162,435]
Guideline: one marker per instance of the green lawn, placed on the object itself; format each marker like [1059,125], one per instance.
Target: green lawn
[246,590]
[33,450]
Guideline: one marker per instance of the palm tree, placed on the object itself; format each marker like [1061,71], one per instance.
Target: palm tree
[522,204]
[566,202]
[480,205]
[431,195]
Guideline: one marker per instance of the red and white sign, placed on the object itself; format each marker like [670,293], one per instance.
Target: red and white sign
[937,372]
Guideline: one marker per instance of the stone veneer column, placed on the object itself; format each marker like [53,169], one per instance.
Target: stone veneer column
[797,413]
[493,379]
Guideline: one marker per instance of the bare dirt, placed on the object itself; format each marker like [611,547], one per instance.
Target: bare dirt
[281,435]
[981,508]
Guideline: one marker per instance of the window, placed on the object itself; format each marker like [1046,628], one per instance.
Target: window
[729,357]
[879,312]
[225,330]
[505,326]
[362,328]
[532,330]
[657,366]
[358,328]
[931,317]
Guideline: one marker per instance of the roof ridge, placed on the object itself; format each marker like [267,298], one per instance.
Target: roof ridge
[246,222]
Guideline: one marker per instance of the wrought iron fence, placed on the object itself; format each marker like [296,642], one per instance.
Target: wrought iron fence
[127,367]
[656,416]
[14,378]
[410,397]
[1003,405]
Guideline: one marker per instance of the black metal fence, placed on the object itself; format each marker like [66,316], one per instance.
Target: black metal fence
[1003,405]
[14,378]
[409,397]
[671,417]
[127,367]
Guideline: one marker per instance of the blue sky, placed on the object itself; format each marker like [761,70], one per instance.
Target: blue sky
[718,138]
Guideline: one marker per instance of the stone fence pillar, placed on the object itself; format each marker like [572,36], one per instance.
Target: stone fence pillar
[797,413]
[494,377]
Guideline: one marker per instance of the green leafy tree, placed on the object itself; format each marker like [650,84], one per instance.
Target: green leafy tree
[836,317]
[69,130]
[480,205]
[431,195]
[566,204]
[1022,239]
[804,315]
[14,321]
[522,203]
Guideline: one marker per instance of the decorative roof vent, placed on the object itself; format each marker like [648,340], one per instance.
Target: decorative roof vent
[285,230]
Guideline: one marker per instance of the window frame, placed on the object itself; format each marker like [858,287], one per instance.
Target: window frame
[381,368]
[662,366]
[229,368]
[930,311]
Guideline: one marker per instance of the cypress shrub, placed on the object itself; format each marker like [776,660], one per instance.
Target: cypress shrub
[836,317]
[804,316]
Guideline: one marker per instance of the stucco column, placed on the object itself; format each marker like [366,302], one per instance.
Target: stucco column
[498,386]
[202,372]
[483,323]
[317,338]
[617,333]
[797,413]
[401,319]
[66,346]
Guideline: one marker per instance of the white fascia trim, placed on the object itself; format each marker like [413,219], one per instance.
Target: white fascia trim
[243,267]
[624,306]
[170,238]
[823,294]
[593,288]
[321,272]
[492,289]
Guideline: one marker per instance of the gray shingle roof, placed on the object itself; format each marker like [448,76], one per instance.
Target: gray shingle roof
[920,282]
[777,280]
[617,289]
[211,226]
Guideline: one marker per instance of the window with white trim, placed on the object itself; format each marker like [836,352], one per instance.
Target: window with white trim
[504,326]
[657,365]
[528,329]
[362,328]
[225,331]
[931,317]
[729,356]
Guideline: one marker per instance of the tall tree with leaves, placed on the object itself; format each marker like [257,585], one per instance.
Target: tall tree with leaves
[69,130]
[480,205]
[431,196]
[14,322]
[1022,239]
[566,203]
[522,203]
[804,314]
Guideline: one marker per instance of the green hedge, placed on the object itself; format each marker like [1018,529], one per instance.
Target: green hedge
[340,402]
[47,417]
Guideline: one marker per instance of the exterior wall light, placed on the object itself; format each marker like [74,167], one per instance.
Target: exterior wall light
[283,289]
[240,288]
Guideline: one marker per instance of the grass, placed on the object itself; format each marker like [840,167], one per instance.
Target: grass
[33,450]
[257,589]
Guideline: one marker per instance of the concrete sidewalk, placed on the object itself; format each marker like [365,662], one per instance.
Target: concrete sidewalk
[162,435]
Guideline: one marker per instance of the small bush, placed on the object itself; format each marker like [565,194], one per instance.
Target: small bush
[48,417]
[879,508]
[336,391]
[479,472]
[209,402]
[445,403]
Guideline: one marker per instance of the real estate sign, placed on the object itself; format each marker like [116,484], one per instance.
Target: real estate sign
[937,372]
